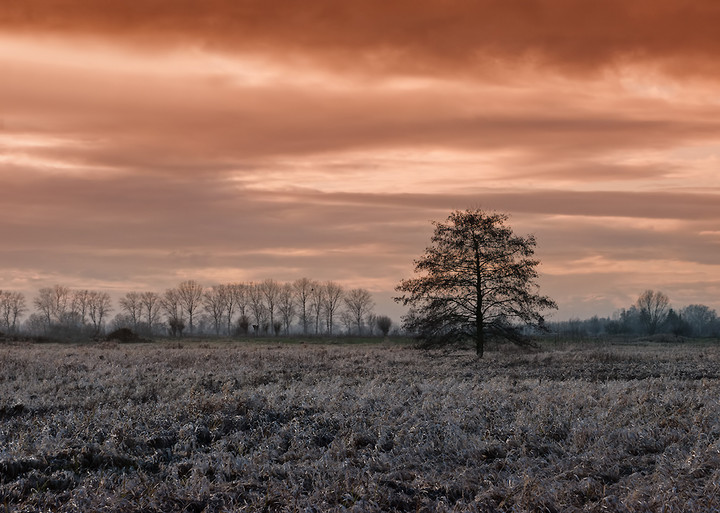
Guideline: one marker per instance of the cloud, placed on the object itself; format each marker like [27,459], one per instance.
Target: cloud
[613,204]
[150,232]
[221,223]
[129,120]
[463,36]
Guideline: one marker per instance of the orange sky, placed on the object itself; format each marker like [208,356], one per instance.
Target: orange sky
[144,143]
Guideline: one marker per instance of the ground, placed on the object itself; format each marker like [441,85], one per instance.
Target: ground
[275,427]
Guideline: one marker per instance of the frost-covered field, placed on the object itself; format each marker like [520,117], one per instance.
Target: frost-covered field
[221,427]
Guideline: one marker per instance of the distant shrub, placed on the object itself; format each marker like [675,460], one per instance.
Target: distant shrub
[123,335]
[384,323]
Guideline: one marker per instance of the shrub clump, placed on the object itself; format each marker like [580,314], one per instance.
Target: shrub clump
[123,335]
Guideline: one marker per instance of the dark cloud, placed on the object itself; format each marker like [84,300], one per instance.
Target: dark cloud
[464,35]
[157,124]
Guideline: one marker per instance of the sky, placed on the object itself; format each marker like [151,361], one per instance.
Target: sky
[146,143]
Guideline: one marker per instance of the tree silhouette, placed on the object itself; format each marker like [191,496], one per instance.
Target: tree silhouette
[132,305]
[270,292]
[701,319]
[190,297]
[303,288]
[12,306]
[653,307]
[384,323]
[151,303]
[475,279]
[99,306]
[286,306]
[171,304]
[215,304]
[332,294]
[358,304]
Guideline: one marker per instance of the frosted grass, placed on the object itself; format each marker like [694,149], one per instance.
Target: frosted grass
[227,427]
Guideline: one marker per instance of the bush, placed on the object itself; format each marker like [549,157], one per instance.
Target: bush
[124,335]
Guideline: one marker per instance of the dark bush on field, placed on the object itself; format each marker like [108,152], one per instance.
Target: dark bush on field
[384,323]
[16,337]
[125,335]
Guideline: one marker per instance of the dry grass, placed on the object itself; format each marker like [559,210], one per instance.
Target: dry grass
[337,428]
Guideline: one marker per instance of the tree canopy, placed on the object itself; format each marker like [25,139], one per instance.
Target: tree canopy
[476,279]
[654,308]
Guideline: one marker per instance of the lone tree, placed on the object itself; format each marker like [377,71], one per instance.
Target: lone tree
[475,279]
[384,323]
[654,308]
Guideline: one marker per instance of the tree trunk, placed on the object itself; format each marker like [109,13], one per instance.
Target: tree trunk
[479,334]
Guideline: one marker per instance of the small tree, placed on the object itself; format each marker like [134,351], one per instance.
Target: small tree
[132,305]
[270,292]
[347,319]
[61,302]
[384,323]
[675,324]
[190,297]
[237,302]
[701,319]
[52,303]
[176,326]
[257,306]
[303,288]
[99,306]
[358,304]
[243,325]
[653,307]
[80,306]
[476,278]
[317,300]
[332,294]
[171,304]
[151,304]
[12,307]
[286,306]
[44,304]
[215,304]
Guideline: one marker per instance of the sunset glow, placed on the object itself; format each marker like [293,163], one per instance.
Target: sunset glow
[144,143]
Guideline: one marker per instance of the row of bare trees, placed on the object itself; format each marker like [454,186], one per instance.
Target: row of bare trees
[268,307]
[12,308]
[60,308]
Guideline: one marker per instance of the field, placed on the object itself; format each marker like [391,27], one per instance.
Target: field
[240,427]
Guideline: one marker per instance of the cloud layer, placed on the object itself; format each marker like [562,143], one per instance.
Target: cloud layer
[457,36]
[142,143]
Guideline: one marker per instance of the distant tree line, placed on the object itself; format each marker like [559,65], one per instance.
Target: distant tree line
[651,314]
[266,308]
